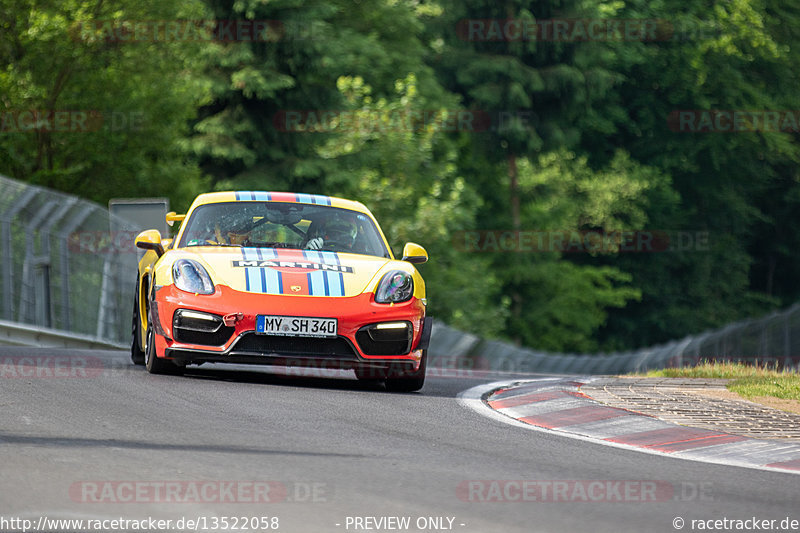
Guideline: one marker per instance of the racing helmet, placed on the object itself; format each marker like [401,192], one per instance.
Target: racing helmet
[340,232]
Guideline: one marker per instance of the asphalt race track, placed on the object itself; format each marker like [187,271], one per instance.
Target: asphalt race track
[87,436]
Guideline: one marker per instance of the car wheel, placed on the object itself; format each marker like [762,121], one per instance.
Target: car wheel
[409,382]
[137,354]
[156,365]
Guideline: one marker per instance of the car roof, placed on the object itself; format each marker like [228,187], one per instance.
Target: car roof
[272,196]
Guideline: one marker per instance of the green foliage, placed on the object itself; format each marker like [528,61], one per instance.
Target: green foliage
[581,137]
[138,97]
[402,166]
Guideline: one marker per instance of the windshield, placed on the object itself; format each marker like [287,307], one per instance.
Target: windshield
[283,225]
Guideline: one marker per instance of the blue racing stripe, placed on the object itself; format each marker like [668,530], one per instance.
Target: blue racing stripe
[264,280]
[327,285]
[264,287]
[271,277]
[334,280]
[252,274]
[317,284]
[263,276]
[324,281]
[246,271]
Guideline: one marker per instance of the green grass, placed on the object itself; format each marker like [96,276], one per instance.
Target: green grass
[784,387]
[748,381]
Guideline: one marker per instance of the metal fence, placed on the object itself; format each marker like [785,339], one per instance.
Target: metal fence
[66,263]
[771,340]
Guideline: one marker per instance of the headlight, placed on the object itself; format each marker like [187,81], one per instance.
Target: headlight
[395,286]
[190,276]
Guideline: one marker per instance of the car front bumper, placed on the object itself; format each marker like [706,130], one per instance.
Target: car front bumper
[237,342]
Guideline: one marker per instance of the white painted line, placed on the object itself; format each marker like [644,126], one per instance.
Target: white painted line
[473,399]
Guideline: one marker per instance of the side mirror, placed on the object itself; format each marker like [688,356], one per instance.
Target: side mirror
[150,240]
[414,253]
[173,217]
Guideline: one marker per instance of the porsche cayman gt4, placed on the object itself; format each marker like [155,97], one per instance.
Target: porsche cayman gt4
[281,279]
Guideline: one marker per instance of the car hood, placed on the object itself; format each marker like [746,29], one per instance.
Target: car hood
[291,272]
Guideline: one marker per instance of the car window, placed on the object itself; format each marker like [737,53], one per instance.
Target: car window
[283,225]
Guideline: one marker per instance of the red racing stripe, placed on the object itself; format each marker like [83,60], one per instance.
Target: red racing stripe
[283,197]
[295,283]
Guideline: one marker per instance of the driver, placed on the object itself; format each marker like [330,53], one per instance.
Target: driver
[240,239]
[336,233]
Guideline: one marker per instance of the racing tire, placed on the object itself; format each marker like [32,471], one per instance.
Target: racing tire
[410,382]
[137,354]
[154,364]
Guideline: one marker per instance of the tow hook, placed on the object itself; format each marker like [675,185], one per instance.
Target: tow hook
[232,319]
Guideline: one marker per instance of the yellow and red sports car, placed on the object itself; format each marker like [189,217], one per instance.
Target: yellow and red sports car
[279,278]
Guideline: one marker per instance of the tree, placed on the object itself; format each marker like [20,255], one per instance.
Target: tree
[737,186]
[246,136]
[90,111]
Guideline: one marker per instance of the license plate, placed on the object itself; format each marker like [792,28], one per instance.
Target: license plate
[296,326]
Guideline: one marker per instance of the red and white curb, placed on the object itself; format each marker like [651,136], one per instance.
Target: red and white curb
[556,405]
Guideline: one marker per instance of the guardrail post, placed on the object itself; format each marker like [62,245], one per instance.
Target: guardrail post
[8,261]
[70,227]
[104,289]
[27,297]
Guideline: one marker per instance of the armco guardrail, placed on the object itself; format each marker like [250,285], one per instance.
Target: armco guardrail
[67,266]
[770,340]
[15,334]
